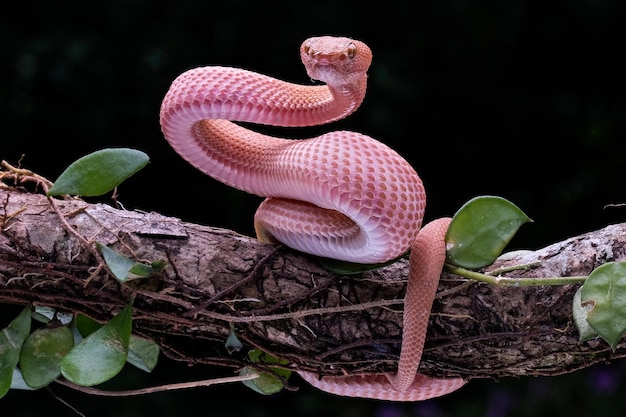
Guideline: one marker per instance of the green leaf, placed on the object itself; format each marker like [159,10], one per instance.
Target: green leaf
[102,354]
[18,381]
[580,313]
[267,383]
[233,344]
[86,325]
[124,268]
[44,314]
[40,359]
[143,353]
[481,229]
[99,172]
[145,270]
[118,264]
[11,340]
[605,291]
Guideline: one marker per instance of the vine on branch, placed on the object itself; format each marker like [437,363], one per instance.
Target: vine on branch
[77,351]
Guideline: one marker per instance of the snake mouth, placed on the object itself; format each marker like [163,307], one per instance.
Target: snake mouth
[328,70]
[328,66]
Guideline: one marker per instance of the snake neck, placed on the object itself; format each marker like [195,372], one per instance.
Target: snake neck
[239,95]
[197,111]
[347,98]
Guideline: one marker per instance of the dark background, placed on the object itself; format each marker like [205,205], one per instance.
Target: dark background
[518,99]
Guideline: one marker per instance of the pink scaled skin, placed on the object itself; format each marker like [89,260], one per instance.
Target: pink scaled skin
[341,195]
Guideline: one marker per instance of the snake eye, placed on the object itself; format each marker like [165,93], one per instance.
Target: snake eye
[351,51]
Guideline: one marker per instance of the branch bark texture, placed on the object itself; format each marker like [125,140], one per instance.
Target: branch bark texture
[285,303]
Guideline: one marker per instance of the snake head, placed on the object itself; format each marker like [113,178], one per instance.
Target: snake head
[334,60]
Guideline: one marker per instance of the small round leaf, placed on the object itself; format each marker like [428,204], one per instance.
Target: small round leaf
[579,313]
[267,383]
[143,353]
[605,291]
[40,358]
[481,229]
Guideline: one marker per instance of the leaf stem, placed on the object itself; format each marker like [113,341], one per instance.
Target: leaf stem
[519,281]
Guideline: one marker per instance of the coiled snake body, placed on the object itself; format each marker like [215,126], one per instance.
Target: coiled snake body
[341,195]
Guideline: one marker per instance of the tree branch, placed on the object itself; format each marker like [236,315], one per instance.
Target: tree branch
[284,303]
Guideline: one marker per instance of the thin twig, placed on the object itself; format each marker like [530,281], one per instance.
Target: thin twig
[300,314]
[159,388]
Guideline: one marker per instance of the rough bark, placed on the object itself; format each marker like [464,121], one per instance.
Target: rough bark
[284,303]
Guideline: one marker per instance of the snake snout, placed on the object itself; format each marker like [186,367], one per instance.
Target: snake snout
[335,60]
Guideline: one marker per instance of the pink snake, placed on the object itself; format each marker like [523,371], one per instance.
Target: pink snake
[341,195]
